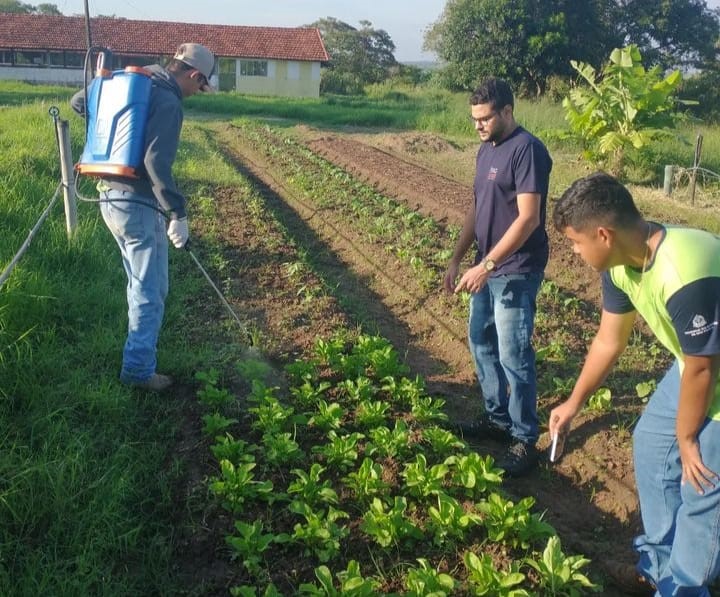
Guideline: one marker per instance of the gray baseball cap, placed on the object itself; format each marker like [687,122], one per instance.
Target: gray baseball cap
[199,57]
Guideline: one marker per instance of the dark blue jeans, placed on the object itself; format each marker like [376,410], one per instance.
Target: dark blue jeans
[500,329]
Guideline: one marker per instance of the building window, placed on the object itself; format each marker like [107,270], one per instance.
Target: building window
[74,60]
[56,59]
[253,68]
[28,58]
[6,56]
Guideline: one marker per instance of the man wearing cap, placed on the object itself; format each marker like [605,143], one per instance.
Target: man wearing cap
[133,210]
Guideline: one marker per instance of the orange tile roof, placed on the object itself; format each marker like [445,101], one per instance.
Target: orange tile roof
[159,38]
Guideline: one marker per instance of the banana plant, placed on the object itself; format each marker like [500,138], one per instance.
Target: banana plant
[621,109]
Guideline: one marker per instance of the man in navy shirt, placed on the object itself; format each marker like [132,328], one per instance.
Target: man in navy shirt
[507,223]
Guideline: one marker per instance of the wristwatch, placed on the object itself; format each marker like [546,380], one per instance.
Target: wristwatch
[488,265]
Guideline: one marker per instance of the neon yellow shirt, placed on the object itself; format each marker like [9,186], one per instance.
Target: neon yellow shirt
[678,295]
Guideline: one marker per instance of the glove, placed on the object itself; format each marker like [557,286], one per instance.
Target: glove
[178,232]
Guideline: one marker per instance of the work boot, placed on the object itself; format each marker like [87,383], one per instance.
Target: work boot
[626,577]
[155,383]
[520,459]
[483,428]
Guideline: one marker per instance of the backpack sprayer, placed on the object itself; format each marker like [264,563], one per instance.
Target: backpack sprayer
[116,113]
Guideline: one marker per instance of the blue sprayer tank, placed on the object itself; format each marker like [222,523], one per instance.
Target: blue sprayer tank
[117,110]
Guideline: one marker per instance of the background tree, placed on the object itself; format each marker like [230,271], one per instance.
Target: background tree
[523,41]
[357,56]
[529,41]
[672,33]
[17,7]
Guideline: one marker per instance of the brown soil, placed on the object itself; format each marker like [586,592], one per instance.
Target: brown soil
[589,495]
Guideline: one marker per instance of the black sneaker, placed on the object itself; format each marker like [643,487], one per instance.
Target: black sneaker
[520,459]
[484,428]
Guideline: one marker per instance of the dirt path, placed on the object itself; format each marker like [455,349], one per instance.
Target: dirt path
[589,497]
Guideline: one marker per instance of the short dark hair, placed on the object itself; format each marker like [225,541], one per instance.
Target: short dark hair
[596,199]
[495,92]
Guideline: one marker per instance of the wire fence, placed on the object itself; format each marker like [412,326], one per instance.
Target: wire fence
[11,266]
[62,135]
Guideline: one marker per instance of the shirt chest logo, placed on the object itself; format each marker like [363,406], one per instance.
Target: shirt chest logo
[492,173]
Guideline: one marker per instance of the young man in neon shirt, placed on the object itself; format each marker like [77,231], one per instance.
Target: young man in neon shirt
[671,276]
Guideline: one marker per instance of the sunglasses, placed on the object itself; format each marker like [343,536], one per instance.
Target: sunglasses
[202,80]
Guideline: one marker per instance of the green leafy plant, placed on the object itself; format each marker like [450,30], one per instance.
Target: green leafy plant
[371,413]
[209,394]
[422,481]
[386,442]
[328,416]
[600,401]
[308,394]
[513,524]
[441,441]
[320,533]
[428,410]
[329,352]
[251,369]
[621,109]
[477,474]
[250,544]
[311,489]
[560,574]
[281,449]
[449,520]
[367,481]
[405,391]
[352,583]
[645,388]
[234,450]
[215,423]
[341,451]
[271,416]
[302,370]
[252,591]
[486,580]
[387,527]
[427,581]
[237,485]
[359,389]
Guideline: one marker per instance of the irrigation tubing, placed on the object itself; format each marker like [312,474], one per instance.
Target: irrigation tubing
[8,270]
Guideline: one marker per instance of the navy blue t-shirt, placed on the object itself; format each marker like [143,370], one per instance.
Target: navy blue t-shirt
[519,164]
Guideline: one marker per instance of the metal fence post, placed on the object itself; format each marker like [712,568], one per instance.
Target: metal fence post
[667,182]
[68,176]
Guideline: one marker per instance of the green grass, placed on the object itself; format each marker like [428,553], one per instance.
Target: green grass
[88,473]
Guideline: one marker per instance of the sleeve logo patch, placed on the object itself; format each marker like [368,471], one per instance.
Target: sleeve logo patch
[700,326]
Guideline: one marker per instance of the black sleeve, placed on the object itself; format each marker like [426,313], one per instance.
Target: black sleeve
[614,300]
[695,314]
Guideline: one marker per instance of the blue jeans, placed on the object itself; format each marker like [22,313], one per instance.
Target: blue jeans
[500,333]
[140,234]
[680,549]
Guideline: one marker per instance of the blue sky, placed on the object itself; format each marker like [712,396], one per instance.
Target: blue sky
[404,20]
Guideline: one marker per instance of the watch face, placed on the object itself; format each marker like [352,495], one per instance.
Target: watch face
[489,265]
